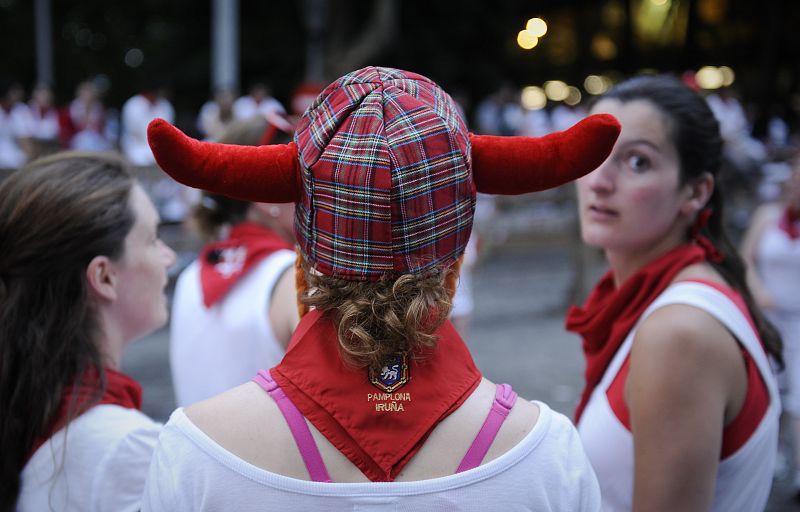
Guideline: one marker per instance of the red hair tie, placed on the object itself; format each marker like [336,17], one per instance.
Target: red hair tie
[713,254]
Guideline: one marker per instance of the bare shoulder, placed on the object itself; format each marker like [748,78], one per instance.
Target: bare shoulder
[244,420]
[683,347]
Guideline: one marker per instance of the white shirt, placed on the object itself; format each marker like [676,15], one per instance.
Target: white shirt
[137,113]
[546,471]
[14,125]
[215,349]
[247,108]
[778,262]
[744,478]
[102,467]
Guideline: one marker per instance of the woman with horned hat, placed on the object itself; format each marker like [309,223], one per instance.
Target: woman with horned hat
[377,403]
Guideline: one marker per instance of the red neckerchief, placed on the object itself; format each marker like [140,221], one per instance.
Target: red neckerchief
[789,223]
[609,313]
[78,398]
[379,430]
[223,263]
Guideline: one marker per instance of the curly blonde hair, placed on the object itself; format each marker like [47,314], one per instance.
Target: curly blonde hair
[377,319]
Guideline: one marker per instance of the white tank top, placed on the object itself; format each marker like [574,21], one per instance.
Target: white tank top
[778,260]
[744,478]
[218,348]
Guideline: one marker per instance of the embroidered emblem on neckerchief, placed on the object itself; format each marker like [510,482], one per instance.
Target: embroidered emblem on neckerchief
[393,375]
[379,422]
[223,263]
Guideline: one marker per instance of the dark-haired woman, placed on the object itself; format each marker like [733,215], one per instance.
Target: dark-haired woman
[83,274]
[680,409]
[235,307]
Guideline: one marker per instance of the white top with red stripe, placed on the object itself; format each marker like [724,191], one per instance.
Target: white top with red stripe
[744,477]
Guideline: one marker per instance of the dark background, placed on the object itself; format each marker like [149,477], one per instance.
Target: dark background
[467,46]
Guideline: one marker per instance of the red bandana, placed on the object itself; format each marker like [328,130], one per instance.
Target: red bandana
[120,390]
[609,313]
[380,426]
[223,263]
[790,223]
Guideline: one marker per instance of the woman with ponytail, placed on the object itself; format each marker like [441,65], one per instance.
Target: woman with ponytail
[680,409]
[234,308]
[82,274]
[377,404]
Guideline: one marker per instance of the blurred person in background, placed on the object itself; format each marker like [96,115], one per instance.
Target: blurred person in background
[83,122]
[15,136]
[680,409]
[44,120]
[771,249]
[136,113]
[377,400]
[235,307]
[216,114]
[257,101]
[82,274]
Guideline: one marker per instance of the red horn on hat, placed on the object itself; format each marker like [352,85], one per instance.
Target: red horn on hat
[516,165]
[267,174]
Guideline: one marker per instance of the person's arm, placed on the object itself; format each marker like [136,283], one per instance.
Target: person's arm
[749,250]
[685,371]
[283,307]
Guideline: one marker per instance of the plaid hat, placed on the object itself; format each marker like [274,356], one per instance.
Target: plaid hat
[386,181]
[381,171]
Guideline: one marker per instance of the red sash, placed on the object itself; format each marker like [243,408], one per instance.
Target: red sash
[223,263]
[377,426]
[120,390]
[610,313]
[789,223]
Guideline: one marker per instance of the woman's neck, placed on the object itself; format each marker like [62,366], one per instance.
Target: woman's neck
[625,263]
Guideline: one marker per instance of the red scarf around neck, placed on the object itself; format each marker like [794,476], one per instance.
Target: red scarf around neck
[609,313]
[789,223]
[223,263]
[79,397]
[378,430]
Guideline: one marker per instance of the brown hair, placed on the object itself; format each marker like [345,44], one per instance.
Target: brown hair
[377,319]
[56,214]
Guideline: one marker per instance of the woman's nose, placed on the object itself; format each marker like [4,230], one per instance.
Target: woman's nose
[602,179]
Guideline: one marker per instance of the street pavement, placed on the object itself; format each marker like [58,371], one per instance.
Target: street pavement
[521,291]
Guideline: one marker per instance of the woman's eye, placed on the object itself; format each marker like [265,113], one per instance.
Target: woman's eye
[638,162]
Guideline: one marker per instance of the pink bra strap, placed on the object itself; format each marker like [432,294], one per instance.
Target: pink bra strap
[297,424]
[504,400]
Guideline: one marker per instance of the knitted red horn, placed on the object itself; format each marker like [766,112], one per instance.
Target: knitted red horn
[516,165]
[267,174]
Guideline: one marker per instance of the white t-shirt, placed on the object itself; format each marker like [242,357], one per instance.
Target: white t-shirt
[137,113]
[246,107]
[215,349]
[744,478]
[546,471]
[14,125]
[102,466]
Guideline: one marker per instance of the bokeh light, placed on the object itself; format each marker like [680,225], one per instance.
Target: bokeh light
[526,40]
[533,98]
[556,90]
[536,26]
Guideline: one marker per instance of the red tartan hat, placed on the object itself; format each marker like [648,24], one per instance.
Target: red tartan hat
[383,172]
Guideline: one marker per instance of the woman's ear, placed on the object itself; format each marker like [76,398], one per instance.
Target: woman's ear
[101,278]
[699,192]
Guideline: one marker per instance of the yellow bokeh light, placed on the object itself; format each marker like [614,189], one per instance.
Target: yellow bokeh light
[658,2]
[573,96]
[536,26]
[728,76]
[595,84]
[709,77]
[603,47]
[526,40]
[533,98]
[556,90]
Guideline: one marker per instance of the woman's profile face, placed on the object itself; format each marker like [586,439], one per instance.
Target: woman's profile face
[633,200]
[141,305]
